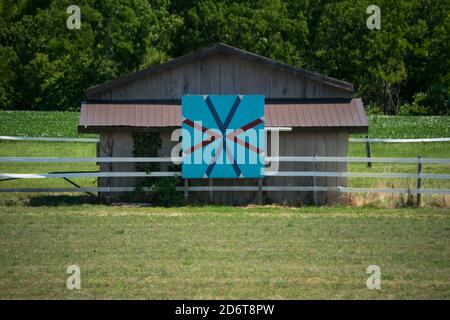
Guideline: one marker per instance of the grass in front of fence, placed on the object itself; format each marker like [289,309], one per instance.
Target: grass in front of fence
[223,252]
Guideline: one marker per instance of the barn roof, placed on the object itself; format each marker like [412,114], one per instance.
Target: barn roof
[220,48]
[343,114]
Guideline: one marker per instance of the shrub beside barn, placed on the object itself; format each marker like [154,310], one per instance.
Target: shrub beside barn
[315,114]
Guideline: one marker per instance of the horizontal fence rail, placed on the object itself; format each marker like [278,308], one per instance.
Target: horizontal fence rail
[268,159]
[237,188]
[399,140]
[260,188]
[356,159]
[267,174]
[89,175]
[356,175]
[76,160]
[95,140]
[50,139]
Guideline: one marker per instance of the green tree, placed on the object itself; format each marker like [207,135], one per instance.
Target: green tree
[43,65]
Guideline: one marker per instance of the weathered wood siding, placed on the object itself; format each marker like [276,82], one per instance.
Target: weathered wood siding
[222,73]
[116,144]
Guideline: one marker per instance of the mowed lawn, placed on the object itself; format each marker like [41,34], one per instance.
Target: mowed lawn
[223,252]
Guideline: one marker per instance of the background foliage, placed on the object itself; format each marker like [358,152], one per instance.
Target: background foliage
[402,68]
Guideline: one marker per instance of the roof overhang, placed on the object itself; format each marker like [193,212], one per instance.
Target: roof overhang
[337,115]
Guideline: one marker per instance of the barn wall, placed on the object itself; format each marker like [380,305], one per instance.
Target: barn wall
[116,144]
[294,143]
[299,143]
[222,73]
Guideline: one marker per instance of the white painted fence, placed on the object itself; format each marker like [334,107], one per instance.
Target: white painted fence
[94,140]
[260,188]
[268,159]
[399,140]
[419,176]
[50,139]
[237,188]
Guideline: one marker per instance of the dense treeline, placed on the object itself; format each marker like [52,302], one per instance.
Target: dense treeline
[402,68]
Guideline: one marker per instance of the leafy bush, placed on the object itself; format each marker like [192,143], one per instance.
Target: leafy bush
[416,108]
[147,144]
[164,192]
[436,101]
[374,108]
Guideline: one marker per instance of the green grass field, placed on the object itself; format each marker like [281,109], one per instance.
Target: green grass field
[222,252]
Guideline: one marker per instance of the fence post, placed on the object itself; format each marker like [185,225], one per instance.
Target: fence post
[368,153]
[210,191]
[316,202]
[419,182]
[186,188]
[260,198]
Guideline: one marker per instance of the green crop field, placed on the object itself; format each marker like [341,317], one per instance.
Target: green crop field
[222,252]
[64,124]
[40,124]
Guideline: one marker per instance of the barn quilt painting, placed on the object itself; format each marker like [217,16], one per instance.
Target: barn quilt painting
[223,136]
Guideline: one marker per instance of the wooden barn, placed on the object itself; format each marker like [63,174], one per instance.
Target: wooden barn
[315,114]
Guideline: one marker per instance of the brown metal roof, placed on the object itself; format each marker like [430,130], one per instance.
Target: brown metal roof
[349,116]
